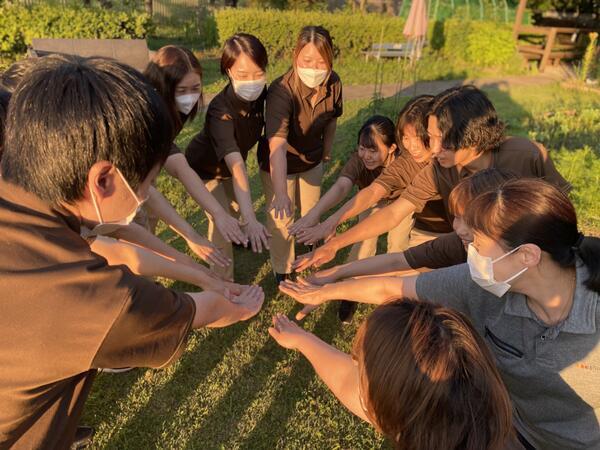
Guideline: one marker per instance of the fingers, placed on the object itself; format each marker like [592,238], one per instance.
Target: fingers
[300,315]
[264,237]
[215,256]
[303,262]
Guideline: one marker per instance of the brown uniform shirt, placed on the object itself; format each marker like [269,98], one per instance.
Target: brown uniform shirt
[232,125]
[444,251]
[290,115]
[356,171]
[396,177]
[65,312]
[519,155]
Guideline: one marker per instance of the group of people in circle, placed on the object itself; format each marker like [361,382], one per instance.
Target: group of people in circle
[487,329]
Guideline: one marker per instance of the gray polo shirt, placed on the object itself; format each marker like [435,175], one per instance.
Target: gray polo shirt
[551,373]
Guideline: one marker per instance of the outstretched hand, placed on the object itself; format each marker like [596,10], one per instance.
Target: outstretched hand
[286,332]
[316,258]
[302,291]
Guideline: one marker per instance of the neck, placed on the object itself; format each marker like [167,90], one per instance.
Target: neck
[477,162]
[550,290]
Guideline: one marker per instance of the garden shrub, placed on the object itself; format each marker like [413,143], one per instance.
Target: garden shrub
[479,44]
[20,24]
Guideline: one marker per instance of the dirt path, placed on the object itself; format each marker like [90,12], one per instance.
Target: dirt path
[358,92]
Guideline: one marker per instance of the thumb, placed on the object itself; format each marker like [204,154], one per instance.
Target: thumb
[274,333]
[300,315]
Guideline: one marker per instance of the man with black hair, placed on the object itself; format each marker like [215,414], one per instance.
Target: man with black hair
[84,141]
[465,136]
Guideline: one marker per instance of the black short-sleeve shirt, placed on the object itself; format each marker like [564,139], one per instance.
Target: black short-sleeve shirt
[291,115]
[232,125]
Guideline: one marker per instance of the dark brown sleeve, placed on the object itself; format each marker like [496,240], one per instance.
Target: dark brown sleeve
[174,149]
[278,111]
[547,170]
[352,168]
[221,132]
[338,101]
[150,331]
[398,175]
[444,251]
[422,189]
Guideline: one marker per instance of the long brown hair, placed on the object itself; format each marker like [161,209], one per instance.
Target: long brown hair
[165,71]
[430,379]
[533,211]
[321,39]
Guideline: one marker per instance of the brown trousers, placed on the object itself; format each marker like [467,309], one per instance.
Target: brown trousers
[304,190]
[223,191]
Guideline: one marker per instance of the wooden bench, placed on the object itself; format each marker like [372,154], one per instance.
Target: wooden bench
[133,52]
[404,50]
[549,45]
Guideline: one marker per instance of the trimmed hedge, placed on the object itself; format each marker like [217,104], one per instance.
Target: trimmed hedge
[20,24]
[477,43]
[278,30]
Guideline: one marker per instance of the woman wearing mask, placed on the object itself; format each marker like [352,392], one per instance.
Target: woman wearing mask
[531,286]
[234,123]
[419,373]
[302,110]
[177,75]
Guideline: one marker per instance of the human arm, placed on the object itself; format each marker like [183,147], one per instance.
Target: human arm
[389,262]
[178,167]
[201,246]
[332,197]
[256,232]
[364,199]
[281,203]
[335,368]
[382,221]
[145,262]
[328,137]
[215,311]
[373,290]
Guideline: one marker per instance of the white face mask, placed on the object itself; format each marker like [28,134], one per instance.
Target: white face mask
[312,77]
[185,103]
[482,271]
[248,90]
[104,228]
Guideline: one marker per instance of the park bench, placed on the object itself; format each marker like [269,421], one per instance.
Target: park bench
[404,50]
[133,52]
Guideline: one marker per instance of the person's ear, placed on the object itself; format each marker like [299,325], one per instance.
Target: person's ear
[100,180]
[392,149]
[530,255]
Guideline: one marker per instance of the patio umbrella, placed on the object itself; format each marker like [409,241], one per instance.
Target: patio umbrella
[415,28]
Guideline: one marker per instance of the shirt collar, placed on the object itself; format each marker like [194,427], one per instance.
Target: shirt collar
[581,318]
[17,195]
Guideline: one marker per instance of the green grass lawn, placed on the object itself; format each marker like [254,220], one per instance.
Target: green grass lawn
[235,388]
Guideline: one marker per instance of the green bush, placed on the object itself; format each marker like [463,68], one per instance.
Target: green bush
[479,44]
[20,24]
[278,29]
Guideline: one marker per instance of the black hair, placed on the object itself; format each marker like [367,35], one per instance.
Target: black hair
[377,126]
[13,75]
[467,118]
[69,113]
[245,43]
[4,99]
[415,113]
